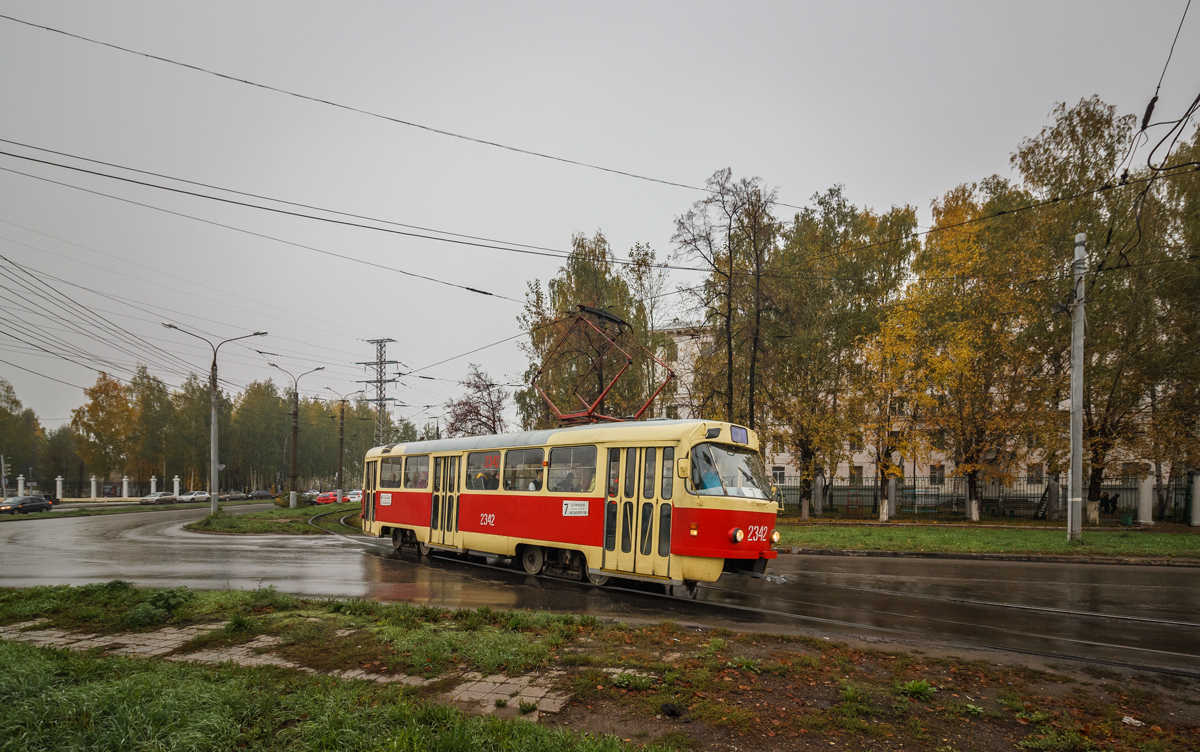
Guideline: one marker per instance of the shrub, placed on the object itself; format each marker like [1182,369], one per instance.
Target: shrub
[170,599]
[918,689]
[144,615]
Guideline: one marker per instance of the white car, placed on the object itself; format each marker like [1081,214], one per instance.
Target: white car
[193,496]
[354,496]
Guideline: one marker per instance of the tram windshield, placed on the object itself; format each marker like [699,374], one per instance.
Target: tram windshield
[719,470]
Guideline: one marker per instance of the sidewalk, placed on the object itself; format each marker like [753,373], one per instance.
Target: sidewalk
[1145,561]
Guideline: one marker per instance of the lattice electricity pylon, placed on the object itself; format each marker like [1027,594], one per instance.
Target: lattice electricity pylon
[597,336]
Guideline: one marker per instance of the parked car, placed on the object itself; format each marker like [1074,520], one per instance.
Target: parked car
[159,497]
[329,497]
[263,495]
[312,494]
[354,496]
[193,496]
[24,505]
[234,496]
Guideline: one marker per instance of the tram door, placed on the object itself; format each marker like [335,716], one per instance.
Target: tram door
[369,492]
[639,538]
[443,513]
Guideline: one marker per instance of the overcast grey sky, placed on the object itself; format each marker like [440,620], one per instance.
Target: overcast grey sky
[899,101]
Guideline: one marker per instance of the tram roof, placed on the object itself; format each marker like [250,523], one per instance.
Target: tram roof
[641,430]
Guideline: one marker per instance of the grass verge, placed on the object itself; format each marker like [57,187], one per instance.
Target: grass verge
[674,687]
[55,699]
[990,540]
[277,521]
[98,511]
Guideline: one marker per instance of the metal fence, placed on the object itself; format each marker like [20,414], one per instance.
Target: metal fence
[945,498]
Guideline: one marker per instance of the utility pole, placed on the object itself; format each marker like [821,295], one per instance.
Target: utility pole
[295,423]
[380,365]
[3,478]
[1075,493]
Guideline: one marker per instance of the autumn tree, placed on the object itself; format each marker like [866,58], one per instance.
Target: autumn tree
[104,426]
[20,434]
[977,319]
[480,410]
[153,416]
[584,363]
[732,233]
[1137,245]
[840,268]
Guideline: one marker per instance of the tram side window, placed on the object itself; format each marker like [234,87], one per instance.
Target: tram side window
[664,530]
[391,470]
[630,472]
[648,473]
[614,471]
[627,527]
[369,481]
[416,472]
[645,542]
[572,469]
[668,482]
[483,471]
[523,470]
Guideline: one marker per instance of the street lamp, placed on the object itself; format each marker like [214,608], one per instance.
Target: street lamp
[342,399]
[215,488]
[295,419]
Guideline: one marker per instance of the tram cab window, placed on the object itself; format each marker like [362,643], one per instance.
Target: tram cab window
[523,470]
[416,472]
[572,469]
[391,470]
[483,471]
[721,470]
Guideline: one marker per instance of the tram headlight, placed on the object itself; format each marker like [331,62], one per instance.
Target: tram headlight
[736,535]
[774,536]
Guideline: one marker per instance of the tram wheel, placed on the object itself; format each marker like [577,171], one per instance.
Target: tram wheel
[397,539]
[532,558]
[599,580]
[424,549]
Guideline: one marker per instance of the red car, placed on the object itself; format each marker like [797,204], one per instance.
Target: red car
[329,497]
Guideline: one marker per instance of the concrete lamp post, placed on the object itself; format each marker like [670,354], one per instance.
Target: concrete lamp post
[214,481]
[342,400]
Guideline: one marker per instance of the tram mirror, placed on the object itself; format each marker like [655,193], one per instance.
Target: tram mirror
[683,467]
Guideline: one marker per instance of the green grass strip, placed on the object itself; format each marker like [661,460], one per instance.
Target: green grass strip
[276,521]
[58,700]
[991,540]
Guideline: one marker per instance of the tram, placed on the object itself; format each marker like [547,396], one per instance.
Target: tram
[671,501]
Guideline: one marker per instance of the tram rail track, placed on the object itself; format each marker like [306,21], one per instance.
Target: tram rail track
[859,626]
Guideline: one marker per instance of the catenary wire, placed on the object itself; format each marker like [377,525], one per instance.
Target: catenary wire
[368,113]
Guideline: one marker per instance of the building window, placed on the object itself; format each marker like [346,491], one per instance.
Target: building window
[937,475]
[939,440]
[672,411]
[856,475]
[670,352]
[1036,473]
[856,442]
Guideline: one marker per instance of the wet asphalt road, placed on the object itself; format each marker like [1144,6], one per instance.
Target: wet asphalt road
[1146,616]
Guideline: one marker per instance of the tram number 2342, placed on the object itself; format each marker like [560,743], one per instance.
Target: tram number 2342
[487,520]
[756,533]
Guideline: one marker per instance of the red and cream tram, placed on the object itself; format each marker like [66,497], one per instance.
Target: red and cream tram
[670,501]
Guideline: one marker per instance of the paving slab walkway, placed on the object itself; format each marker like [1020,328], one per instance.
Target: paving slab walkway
[474,693]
